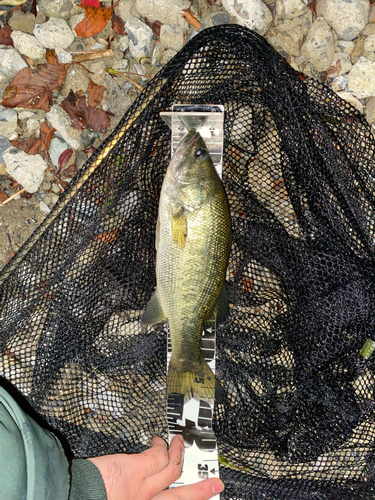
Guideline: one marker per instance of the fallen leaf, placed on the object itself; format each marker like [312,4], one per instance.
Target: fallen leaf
[5,38]
[118,24]
[64,158]
[90,3]
[83,115]
[26,195]
[94,22]
[95,93]
[334,70]
[191,19]
[30,146]
[51,57]
[33,89]
[3,195]
[46,132]
[155,26]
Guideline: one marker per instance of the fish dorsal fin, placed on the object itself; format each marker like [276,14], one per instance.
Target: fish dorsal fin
[219,311]
[154,312]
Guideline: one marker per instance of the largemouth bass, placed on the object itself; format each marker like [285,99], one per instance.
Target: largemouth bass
[193,240]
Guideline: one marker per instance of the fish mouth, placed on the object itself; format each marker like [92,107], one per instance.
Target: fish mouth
[187,141]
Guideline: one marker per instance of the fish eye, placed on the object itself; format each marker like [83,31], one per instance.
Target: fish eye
[201,154]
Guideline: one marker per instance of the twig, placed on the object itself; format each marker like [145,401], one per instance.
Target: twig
[13,196]
[114,72]
[89,55]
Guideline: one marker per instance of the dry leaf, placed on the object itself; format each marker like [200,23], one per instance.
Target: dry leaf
[3,195]
[90,3]
[30,146]
[94,22]
[83,115]
[33,89]
[46,132]
[64,158]
[155,26]
[118,24]
[95,93]
[51,57]
[29,7]
[5,38]
[334,70]
[191,19]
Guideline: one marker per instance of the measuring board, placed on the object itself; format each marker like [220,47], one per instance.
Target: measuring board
[193,420]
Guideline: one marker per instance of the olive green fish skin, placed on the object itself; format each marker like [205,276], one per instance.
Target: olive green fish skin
[193,243]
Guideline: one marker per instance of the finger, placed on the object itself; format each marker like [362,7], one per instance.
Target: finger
[176,451]
[155,459]
[164,478]
[203,490]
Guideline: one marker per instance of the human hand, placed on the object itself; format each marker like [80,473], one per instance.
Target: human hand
[146,475]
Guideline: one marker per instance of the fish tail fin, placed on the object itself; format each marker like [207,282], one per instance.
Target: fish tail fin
[193,380]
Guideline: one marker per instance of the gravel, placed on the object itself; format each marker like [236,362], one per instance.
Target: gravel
[336,46]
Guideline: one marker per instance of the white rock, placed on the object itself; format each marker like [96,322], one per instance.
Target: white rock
[351,99]
[287,36]
[121,65]
[54,33]
[253,14]
[290,9]
[362,78]
[345,46]
[8,121]
[10,61]
[339,83]
[370,43]
[319,46]
[63,56]
[27,45]
[60,120]
[347,17]
[26,169]
[58,8]
[123,43]
[126,9]
[370,110]
[165,12]
[57,147]
[44,208]
[33,124]
[141,38]
[342,59]
[172,37]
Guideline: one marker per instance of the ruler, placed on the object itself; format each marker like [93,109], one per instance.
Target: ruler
[193,420]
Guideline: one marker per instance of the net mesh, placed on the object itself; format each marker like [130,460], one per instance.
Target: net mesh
[297,416]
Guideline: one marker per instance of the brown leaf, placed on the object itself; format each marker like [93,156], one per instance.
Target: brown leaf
[64,158]
[46,133]
[30,146]
[191,19]
[26,195]
[118,24]
[155,26]
[33,89]
[94,22]
[3,195]
[29,7]
[95,93]
[51,57]
[83,115]
[5,38]
[334,70]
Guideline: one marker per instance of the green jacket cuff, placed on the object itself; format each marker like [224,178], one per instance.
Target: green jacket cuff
[87,482]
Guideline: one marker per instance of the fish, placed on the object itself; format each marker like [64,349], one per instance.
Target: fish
[193,241]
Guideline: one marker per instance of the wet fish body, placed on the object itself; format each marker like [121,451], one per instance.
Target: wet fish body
[193,239]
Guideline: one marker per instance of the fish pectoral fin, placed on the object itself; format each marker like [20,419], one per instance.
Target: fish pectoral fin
[154,312]
[219,311]
[179,228]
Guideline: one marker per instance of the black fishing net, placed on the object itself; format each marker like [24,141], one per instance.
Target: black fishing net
[297,415]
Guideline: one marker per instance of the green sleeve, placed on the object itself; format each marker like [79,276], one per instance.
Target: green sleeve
[33,465]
